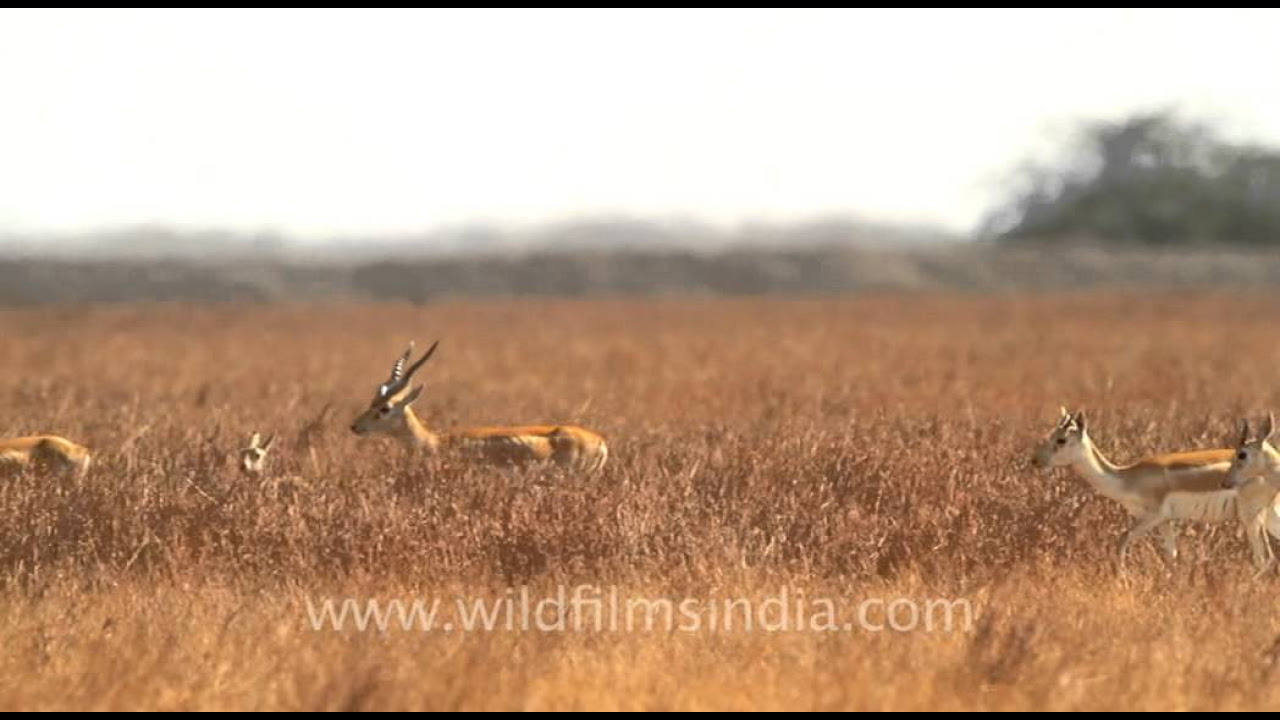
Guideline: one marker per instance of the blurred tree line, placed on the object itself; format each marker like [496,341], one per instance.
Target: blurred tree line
[1150,179]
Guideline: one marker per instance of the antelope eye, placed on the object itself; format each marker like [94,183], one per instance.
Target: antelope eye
[384,409]
[1062,441]
[1242,455]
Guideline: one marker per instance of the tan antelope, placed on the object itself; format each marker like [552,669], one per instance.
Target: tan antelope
[44,452]
[253,465]
[253,457]
[1155,490]
[389,414]
[1255,475]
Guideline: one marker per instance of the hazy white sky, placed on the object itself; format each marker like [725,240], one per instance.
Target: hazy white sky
[327,122]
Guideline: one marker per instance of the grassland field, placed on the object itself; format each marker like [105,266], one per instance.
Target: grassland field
[868,447]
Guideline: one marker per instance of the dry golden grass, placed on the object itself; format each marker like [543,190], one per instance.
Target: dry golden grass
[852,449]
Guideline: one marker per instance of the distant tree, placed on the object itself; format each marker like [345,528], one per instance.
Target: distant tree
[1148,179]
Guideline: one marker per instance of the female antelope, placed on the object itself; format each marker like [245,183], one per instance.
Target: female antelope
[390,415]
[1255,475]
[253,458]
[44,452]
[1155,490]
[253,465]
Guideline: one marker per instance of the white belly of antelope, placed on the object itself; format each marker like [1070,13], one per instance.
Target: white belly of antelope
[1211,507]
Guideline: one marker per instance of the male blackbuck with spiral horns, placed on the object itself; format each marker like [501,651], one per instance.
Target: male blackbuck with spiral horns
[389,415]
[43,453]
[1155,490]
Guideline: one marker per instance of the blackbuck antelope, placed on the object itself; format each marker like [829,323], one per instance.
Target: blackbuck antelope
[1255,476]
[1155,490]
[43,453]
[253,457]
[390,415]
[253,465]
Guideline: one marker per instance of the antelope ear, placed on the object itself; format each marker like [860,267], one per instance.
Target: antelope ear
[1063,410]
[271,440]
[255,440]
[1079,421]
[1244,431]
[1270,428]
[411,397]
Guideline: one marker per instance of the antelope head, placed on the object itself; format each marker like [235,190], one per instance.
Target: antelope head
[253,458]
[388,413]
[1253,454]
[1065,444]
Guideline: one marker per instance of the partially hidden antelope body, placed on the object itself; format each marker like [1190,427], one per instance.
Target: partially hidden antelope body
[44,453]
[1255,476]
[1155,490]
[389,415]
[253,466]
[253,457]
